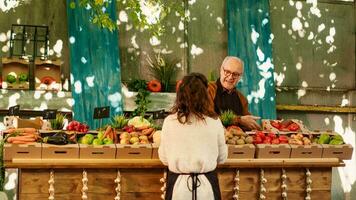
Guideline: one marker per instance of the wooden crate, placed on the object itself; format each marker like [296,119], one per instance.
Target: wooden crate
[273,151]
[140,151]
[48,70]
[155,151]
[343,152]
[241,151]
[69,151]
[28,151]
[16,66]
[306,151]
[97,152]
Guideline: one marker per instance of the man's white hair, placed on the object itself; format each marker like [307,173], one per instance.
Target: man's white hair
[227,58]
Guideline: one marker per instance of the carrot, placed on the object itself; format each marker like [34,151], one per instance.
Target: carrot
[21,142]
[107,131]
[115,136]
[141,128]
[21,138]
[20,130]
[151,135]
[147,131]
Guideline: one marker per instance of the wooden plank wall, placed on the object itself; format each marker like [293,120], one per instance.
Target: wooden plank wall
[144,184]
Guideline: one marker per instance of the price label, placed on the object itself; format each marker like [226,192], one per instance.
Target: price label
[49,114]
[14,110]
[101,112]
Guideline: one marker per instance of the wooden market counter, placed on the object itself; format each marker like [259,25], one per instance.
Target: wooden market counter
[140,178]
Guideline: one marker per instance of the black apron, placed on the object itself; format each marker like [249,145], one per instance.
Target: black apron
[211,176]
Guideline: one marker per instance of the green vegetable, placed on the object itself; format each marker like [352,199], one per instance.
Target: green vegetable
[23,77]
[336,142]
[10,78]
[337,137]
[57,139]
[227,118]
[119,121]
[58,123]
[324,139]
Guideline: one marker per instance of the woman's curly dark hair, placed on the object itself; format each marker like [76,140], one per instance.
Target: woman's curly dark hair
[192,99]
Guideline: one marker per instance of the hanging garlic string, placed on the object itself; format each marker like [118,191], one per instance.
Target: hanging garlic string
[308,182]
[284,184]
[164,181]
[263,181]
[85,185]
[237,185]
[118,187]
[51,185]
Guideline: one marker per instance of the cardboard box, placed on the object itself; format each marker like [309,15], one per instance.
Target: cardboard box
[48,74]
[241,151]
[28,151]
[97,152]
[69,151]
[140,151]
[343,152]
[306,151]
[273,151]
[155,151]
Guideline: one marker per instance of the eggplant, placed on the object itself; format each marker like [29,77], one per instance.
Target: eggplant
[58,140]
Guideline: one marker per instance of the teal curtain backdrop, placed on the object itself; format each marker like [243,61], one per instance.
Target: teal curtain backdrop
[94,64]
[249,37]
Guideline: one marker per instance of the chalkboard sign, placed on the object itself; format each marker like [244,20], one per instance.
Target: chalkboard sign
[49,114]
[14,110]
[101,112]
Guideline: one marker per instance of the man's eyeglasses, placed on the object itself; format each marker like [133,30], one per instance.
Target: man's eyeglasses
[234,75]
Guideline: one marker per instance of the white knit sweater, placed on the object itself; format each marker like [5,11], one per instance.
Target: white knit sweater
[192,148]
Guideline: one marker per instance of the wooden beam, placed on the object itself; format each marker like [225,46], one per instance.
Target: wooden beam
[316,108]
[156,163]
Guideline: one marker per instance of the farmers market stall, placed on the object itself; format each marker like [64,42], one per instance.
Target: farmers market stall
[285,160]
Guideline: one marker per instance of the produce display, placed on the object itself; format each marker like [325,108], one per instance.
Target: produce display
[140,131]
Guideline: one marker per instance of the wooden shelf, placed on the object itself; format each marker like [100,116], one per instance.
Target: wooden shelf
[155,163]
[316,108]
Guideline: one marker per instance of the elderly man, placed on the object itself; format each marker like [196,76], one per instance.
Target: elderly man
[226,97]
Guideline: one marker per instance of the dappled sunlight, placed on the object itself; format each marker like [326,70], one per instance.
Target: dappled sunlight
[347,173]
[13,99]
[78,87]
[320,35]
[7,5]
[326,121]
[115,101]
[11,183]
[195,50]
[90,81]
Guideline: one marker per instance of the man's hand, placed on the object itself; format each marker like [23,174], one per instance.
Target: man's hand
[249,121]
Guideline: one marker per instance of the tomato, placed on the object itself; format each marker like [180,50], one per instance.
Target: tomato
[276,124]
[154,86]
[293,127]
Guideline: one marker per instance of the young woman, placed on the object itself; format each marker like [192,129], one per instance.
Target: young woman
[192,143]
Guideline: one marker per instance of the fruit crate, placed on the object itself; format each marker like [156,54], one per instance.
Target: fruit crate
[97,152]
[241,151]
[68,151]
[25,151]
[15,73]
[343,151]
[155,151]
[306,151]
[273,151]
[267,126]
[140,151]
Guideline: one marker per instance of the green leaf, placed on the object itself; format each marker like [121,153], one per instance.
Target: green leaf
[72,5]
